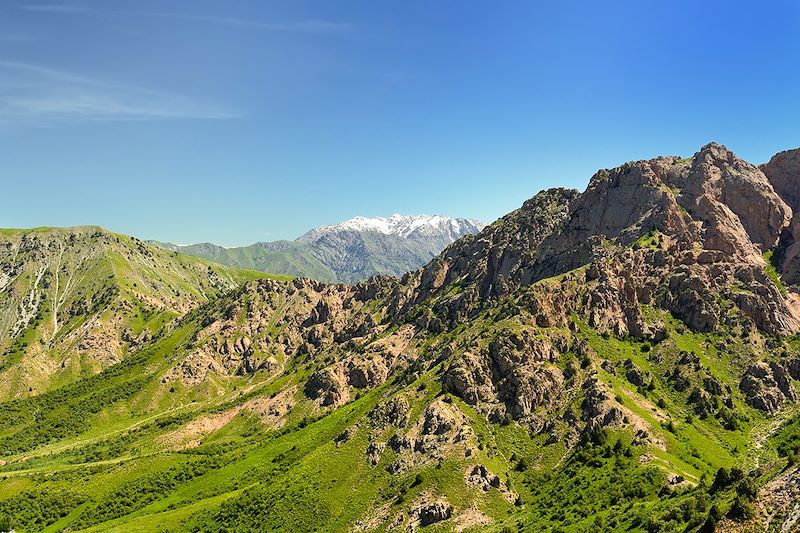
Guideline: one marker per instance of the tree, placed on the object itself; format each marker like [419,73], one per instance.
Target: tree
[748,489]
[5,523]
[741,510]
[722,479]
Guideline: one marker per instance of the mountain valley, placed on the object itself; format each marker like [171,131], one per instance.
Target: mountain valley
[348,252]
[625,358]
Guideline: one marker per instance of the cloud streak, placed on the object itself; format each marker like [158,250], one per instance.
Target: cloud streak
[305,26]
[54,8]
[37,95]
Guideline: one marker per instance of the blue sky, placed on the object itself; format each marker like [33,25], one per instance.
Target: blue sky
[237,121]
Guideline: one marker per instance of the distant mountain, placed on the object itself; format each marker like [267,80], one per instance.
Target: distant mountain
[347,252]
[409,227]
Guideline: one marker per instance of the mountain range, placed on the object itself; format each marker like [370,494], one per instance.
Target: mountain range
[624,358]
[350,251]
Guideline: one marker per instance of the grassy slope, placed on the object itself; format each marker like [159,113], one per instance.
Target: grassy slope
[295,259]
[109,469]
[89,286]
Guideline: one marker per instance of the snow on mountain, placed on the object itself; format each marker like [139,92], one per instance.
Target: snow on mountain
[406,226]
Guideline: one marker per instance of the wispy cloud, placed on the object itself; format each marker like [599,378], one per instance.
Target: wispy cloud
[305,26]
[12,38]
[33,94]
[54,8]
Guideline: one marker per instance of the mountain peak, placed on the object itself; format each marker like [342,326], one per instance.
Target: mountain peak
[398,225]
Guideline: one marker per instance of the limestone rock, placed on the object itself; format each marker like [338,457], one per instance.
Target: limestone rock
[431,513]
[392,412]
[328,387]
[767,386]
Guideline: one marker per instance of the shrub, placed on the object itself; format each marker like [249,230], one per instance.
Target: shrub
[741,509]
[747,489]
[722,479]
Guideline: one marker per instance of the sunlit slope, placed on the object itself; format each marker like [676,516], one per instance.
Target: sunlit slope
[75,300]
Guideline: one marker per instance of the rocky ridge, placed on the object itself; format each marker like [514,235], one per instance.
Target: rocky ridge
[642,331]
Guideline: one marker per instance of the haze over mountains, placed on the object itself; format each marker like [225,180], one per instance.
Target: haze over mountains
[347,252]
[624,358]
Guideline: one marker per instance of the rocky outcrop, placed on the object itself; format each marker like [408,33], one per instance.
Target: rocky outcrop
[489,265]
[767,386]
[514,374]
[635,375]
[374,452]
[482,478]
[327,387]
[364,374]
[599,408]
[432,512]
[696,227]
[392,412]
[783,171]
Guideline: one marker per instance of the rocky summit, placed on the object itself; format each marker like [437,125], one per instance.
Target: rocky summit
[624,358]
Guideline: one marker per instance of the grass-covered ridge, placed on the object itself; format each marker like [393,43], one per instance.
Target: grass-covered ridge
[611,396]
[106,453]
[74,300]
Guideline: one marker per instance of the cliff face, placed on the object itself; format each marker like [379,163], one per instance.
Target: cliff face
[783,171]
[707,222]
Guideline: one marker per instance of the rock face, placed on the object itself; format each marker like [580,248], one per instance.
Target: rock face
[705,221]
[481,477]
[783,171]
[327,387]
[433,512]
[393,412]
[509,375]
[767,386]
[490,264]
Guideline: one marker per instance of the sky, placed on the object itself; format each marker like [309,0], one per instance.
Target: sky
[241,121]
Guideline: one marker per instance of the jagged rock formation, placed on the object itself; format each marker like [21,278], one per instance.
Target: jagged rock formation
[767,386]
[709,218]
[577,363]
[677,234]
[783,171]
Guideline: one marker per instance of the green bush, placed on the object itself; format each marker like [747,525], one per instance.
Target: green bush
[741,510]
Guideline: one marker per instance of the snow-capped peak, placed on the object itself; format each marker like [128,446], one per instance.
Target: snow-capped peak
[401,226]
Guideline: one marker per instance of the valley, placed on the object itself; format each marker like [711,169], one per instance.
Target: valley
[620,359]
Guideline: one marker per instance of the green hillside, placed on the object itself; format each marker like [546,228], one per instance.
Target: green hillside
[76,300]
[622,359]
